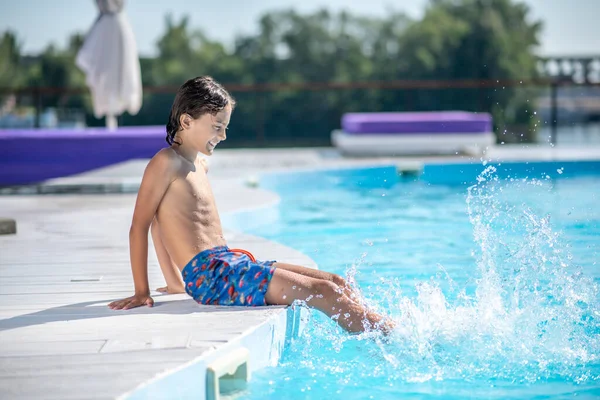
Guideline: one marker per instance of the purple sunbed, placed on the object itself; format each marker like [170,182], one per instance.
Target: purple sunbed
[34,155]
[397,133]
[417,122]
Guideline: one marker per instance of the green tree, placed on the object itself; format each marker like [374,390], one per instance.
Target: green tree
[318,47]
[474,39]
[10,58]
[455,39]
[55,68]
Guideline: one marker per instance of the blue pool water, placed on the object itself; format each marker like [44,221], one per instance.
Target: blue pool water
[495,285]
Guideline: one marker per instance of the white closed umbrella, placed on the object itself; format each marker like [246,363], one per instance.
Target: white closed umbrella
[109,59]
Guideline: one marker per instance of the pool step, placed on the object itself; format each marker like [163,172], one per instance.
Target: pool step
[409,169]
[228,374]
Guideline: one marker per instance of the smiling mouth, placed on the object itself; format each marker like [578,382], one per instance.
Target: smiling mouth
[211,145]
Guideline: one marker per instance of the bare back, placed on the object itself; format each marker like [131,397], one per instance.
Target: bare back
[187,214]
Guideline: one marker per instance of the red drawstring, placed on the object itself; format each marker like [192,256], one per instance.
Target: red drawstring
[244,252]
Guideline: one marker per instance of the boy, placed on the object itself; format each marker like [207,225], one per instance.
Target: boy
[176,203]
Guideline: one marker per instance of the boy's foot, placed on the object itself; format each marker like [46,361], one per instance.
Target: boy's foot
[169,290]
[388,326]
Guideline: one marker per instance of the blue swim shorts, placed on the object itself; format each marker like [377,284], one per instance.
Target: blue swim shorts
[222,276]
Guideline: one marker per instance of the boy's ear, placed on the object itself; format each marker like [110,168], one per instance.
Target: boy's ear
[185,121]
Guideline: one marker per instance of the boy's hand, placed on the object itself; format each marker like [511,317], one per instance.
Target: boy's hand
[132,302]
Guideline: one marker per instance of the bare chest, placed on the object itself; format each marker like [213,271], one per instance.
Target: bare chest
[193,189]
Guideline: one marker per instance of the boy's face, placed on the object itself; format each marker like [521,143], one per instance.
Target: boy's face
[209,130]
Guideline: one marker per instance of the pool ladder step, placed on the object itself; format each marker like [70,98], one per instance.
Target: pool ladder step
[228,374]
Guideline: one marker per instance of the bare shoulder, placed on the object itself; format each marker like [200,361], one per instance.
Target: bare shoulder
[163,164]
[160,172]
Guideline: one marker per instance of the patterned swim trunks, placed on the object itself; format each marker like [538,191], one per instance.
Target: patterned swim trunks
[221,276]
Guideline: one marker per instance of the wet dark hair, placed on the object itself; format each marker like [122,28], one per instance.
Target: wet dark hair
[197,97]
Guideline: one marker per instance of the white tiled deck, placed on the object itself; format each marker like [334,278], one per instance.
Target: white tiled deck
[70,258]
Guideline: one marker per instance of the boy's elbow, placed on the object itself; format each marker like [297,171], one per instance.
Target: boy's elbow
[136,229]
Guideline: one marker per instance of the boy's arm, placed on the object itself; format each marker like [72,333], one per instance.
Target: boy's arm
[168,267]
[157,177]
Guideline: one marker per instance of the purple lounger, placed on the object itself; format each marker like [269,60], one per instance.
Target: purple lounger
[29,156]
[388,134]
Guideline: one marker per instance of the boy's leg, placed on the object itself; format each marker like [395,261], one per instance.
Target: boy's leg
[169,269]
[317,274]
[287,286]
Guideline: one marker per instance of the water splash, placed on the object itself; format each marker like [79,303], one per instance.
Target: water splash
[528,315]
[532,315]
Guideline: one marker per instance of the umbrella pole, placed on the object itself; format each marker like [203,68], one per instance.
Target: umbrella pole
[111,122]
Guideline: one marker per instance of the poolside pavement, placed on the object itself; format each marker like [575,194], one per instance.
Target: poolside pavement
[69,259]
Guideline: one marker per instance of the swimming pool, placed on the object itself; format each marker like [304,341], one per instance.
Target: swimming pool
[495,284]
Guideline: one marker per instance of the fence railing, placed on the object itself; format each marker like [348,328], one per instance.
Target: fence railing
[411,90]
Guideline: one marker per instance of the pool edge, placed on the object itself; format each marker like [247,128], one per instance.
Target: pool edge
[189,379]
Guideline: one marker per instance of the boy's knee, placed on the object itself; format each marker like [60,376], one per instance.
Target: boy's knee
[338,280]
[326,288]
